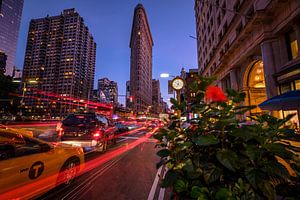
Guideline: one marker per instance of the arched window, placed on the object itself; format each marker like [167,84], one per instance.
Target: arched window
[256,76]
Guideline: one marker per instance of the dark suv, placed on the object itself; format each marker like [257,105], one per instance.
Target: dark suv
[89,130]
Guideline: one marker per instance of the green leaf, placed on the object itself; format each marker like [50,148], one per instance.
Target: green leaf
[244,133]
[163,153]
[159,136]
[286,119]
[188,166]
[170,178]
[275,168]
[223,194]
[231,92]
[195,173]
[160,163]
[211,173]
[185,145]
[253,152]
[267,189]
[206,140]
[254,176]
[180,186]
[228,159]
[279,150]
[197,192]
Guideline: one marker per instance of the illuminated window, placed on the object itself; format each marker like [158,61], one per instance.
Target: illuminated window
[292,45]
[297,84]
[256,77]
[285,88]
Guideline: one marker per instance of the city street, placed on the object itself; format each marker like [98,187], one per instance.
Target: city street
[150,100]
[126,175]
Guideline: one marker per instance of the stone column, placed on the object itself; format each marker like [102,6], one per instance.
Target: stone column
[233,79]
[268,57]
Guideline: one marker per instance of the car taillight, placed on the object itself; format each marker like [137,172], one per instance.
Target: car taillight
[97,134]
[60,132]
[58,126]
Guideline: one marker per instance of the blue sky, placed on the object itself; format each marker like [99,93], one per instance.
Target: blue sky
[109,21]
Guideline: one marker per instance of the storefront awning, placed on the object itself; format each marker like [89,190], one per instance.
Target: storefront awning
[287,101]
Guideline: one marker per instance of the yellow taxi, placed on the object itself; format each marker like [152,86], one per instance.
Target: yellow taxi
[30,167]
[14,130]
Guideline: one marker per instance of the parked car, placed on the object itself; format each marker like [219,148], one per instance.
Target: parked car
[25,161]
[91,131]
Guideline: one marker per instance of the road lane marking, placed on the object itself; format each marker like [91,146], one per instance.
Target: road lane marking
[162,190]
[154,185]
[122,140]
[130,137]
[85,184]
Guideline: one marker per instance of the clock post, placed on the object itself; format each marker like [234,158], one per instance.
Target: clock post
[177,84]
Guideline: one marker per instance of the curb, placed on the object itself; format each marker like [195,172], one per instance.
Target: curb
[157,192]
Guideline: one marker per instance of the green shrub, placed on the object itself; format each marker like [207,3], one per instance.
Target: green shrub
[219,157]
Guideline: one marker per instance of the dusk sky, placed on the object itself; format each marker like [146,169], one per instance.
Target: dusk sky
[109,21]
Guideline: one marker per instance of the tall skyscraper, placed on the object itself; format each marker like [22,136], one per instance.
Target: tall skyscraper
[156,97]
[60,59]
[10,18]
[109,89]
[141,44]
[3,59]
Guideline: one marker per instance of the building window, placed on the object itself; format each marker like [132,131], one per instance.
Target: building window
[256,76]
[292,45]
[285,88]
[297,84]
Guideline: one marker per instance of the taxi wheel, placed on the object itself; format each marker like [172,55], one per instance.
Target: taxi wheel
[68,172]
[101,146]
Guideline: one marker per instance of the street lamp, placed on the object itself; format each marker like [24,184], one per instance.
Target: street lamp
[166,75]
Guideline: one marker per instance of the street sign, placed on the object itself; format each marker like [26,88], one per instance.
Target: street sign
[170,88]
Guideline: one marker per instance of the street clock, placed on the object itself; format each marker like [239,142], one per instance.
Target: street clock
[177,83]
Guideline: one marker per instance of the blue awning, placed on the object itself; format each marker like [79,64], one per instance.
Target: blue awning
[286,101]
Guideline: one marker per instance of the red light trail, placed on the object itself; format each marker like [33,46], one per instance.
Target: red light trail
[32,189]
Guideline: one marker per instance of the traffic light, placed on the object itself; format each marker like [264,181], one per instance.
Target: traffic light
[130,99]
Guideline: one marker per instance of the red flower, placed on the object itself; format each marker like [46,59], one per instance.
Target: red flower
[215,94]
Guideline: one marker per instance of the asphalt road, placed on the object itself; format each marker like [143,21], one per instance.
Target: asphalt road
[128,172]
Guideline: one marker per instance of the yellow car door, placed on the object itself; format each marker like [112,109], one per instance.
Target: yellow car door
[27,166]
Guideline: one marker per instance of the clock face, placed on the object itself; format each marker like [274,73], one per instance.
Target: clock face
[177,84]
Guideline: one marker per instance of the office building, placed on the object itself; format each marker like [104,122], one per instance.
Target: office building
[59,64]
[251,46]
[109,89]
[141,44]
[156,97]
[10,18]
[3,59]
